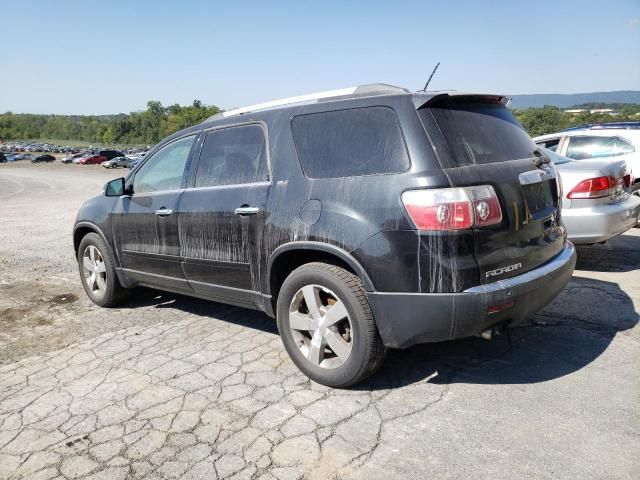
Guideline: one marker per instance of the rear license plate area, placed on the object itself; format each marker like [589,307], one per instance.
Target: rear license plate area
[541,198]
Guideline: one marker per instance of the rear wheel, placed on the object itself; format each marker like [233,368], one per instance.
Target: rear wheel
[327,326]
[97,272]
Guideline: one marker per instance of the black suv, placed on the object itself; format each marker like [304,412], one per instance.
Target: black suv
[362,219]
[109,154]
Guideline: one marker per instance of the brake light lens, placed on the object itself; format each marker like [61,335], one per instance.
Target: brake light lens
[453,208]
[593,188]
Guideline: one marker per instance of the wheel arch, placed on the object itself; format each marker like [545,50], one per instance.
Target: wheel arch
[290,256]
[81,229]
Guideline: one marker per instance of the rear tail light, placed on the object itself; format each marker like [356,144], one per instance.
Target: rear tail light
[602,187]
[593,188]
[453,208]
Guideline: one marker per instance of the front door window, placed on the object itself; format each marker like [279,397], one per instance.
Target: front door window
[165,169]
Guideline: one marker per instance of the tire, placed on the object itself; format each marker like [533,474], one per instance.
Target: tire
[311,347]
[106,292]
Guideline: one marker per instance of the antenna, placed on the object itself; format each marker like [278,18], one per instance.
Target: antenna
[430,77]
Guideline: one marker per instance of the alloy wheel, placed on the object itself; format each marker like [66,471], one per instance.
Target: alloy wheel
[321,326]
[95,270]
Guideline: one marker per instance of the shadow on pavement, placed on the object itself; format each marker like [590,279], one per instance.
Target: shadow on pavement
[144,297]
[567,335]
[564,337]
[621,254]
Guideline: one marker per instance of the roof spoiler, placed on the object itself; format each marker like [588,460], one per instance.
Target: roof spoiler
[421,100]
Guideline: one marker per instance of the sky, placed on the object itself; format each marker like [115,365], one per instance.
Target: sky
[106,57]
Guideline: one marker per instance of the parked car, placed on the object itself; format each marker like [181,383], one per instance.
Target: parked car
[614,141]
[71,158]
[44,158]
[597,203]
[92,160]
[109,154]
[3,159]
[117,162]
[362,219]
[23,156]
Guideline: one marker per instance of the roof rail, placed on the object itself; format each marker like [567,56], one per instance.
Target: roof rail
[359,91]
[606,126]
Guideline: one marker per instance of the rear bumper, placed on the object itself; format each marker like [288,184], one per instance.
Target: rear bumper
[602,222]
[405,319]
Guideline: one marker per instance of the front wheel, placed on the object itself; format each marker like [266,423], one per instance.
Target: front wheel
[97,272]
[327,326]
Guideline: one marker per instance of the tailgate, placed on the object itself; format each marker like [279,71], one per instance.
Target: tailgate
[478,141]
[530,233]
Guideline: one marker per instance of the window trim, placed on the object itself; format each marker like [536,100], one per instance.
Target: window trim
[402,136]
[129,181]
[191,184]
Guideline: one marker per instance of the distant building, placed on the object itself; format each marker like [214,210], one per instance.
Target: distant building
[605,111]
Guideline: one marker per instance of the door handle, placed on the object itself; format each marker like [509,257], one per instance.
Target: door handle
[244,211]
[164,212]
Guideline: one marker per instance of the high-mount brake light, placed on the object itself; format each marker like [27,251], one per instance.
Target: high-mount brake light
[453,208]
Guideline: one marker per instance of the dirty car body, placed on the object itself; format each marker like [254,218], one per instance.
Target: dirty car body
[597,202]
[447,233]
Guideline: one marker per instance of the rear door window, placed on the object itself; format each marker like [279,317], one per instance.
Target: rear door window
[585,147]
[476,132]
[352,142]
[232,156]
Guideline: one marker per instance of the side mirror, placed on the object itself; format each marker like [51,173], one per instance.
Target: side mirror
[114,188]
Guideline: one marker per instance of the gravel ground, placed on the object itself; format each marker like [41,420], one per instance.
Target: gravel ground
[173,387]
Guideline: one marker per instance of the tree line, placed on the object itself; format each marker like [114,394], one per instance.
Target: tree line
[158,121]
[136,128]
[548,119]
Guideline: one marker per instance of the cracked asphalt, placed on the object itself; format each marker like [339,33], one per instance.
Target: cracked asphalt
[172,387]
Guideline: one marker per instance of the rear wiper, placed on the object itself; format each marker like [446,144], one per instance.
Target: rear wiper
[541,158]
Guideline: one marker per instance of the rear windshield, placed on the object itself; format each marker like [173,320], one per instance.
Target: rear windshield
[476,132]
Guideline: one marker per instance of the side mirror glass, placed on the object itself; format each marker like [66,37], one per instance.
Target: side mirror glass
[114,188]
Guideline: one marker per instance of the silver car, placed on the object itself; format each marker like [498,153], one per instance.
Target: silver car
[117,162]
[604,141]
[597,203]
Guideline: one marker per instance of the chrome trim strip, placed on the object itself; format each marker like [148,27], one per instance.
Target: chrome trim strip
[537,176]
[552,265]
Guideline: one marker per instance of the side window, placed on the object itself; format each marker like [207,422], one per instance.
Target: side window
[346,143]
[164,170]
[551,144]
[584,147]
[232,156]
